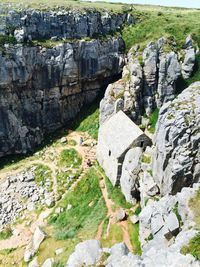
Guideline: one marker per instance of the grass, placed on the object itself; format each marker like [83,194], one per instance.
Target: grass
[6,233]
[175,210]
[194,204]
[5,39]
[88,210]
[72,142]
[7,251]
[115,236]
[193,247]
[66,179]
[134,237]
[70,158]
[50,244]
[116,195]
[182,83]
[43,175]
[88,121]
[80,5]
[146,159]
[153,120]
[153,24]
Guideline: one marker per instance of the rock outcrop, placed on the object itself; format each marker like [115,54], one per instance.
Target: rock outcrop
[70,24]
[189,58]
[176,162]
[131,168]
[42,89]
[149,79]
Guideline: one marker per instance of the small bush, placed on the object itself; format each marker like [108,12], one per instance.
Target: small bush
[193,247]
[153,120]
[5,39]
[6,233]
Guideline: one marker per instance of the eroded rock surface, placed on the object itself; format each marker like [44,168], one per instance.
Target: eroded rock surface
[34,24]
[176,162]
[149,79]
[42,89]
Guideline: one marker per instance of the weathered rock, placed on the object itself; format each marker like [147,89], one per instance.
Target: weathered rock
[34,245]
[48,263]
[120,215]
[169,72]
[86,253]
[64,23]
[162,220]
[33,263]
[59,251]
[177,156]
[148,81]
[134,219]
[189,63]
[130,174]
[47,87]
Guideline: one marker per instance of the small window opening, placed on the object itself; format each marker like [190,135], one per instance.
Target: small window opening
[142,144]
[109,153]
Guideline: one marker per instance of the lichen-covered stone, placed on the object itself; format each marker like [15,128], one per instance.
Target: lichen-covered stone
[176,161]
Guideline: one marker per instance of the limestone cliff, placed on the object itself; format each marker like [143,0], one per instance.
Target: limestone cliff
[32,24]
[149,79]
[176,162]
[42,89]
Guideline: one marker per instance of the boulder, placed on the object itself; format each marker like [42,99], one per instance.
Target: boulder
[86,253]
[33,263]
[129,180]
[33,246]
[120,215]
[48,263]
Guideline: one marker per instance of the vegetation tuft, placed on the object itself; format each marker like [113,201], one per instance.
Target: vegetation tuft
[116,195]
[177,23]
[88,121]
[6,233]
[70,158]
[193,247]
[43,176]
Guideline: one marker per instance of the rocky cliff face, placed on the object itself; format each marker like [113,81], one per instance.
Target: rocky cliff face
[32,24]
[176,163]
[149,79]
[41,89]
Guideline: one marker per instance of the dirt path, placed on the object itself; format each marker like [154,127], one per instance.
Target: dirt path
[23,232]
[112,215]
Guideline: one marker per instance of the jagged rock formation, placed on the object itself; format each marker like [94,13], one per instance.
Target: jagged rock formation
[161,221]
[42,89]
[33,24]
[166,225]
[176,162]
[131,168]
[189,59]
[148,79]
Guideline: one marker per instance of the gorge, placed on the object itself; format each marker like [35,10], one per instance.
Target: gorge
[84,182]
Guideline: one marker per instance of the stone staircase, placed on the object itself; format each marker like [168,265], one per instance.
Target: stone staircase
[90,154]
